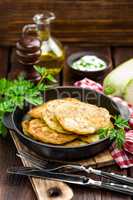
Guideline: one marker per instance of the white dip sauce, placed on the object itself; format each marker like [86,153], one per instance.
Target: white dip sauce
[89,63]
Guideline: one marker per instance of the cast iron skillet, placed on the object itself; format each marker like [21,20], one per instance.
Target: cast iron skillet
[13,121]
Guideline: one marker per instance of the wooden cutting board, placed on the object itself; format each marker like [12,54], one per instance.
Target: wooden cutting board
[46,189]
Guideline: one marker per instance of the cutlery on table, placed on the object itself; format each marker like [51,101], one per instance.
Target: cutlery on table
[71,178]
[53,166]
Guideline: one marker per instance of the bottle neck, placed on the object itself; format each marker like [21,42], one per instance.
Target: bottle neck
[43,31]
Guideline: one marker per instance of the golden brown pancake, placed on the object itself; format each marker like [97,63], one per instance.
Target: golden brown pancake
[37,111]
[90,138]
[40,131]
[75,143]
[82,118]
[48,114]
[25,126]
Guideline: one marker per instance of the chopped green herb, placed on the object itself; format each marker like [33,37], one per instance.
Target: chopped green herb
[117,133]
[120,122]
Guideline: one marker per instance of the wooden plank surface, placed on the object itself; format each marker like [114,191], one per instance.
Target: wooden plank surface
[96,22]
[4,52]
[17,187]
[12,188]
[121,54]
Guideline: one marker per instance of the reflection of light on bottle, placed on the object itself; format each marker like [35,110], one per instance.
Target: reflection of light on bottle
[45,47]
[55,47]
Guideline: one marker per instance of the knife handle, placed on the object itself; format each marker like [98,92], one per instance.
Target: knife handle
[119,178]
[125,189]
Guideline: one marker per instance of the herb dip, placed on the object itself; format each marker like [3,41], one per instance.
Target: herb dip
[89,63]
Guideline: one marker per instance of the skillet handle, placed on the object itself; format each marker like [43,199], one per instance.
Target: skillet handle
[7,121]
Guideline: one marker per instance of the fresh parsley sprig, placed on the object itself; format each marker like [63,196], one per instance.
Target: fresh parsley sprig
[44,74]
[117,133]
[14,93]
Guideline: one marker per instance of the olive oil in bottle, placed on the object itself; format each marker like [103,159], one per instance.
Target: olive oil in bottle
[52,53]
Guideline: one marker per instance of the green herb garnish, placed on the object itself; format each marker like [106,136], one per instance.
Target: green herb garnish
[117,133]
[14,93]
[120,122]
[44,74]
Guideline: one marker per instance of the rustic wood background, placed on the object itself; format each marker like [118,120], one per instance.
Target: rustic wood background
[103,22]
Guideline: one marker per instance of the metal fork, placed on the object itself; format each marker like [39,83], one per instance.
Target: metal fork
[42,163]
[53,166]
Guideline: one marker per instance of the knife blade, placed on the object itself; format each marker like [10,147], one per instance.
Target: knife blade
[34,172]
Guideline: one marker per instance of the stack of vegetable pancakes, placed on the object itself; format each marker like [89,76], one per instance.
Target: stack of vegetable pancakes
[67,122]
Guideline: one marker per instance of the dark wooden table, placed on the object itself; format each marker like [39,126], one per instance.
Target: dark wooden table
[19,188]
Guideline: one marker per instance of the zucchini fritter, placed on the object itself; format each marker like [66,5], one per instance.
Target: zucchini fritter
[41,132]
[82,118]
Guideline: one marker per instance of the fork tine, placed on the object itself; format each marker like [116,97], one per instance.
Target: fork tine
[42,160]
[40,166]
[38,162]
[32,156]
[53,168]
[16,169]
[33,162]
[49,165]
